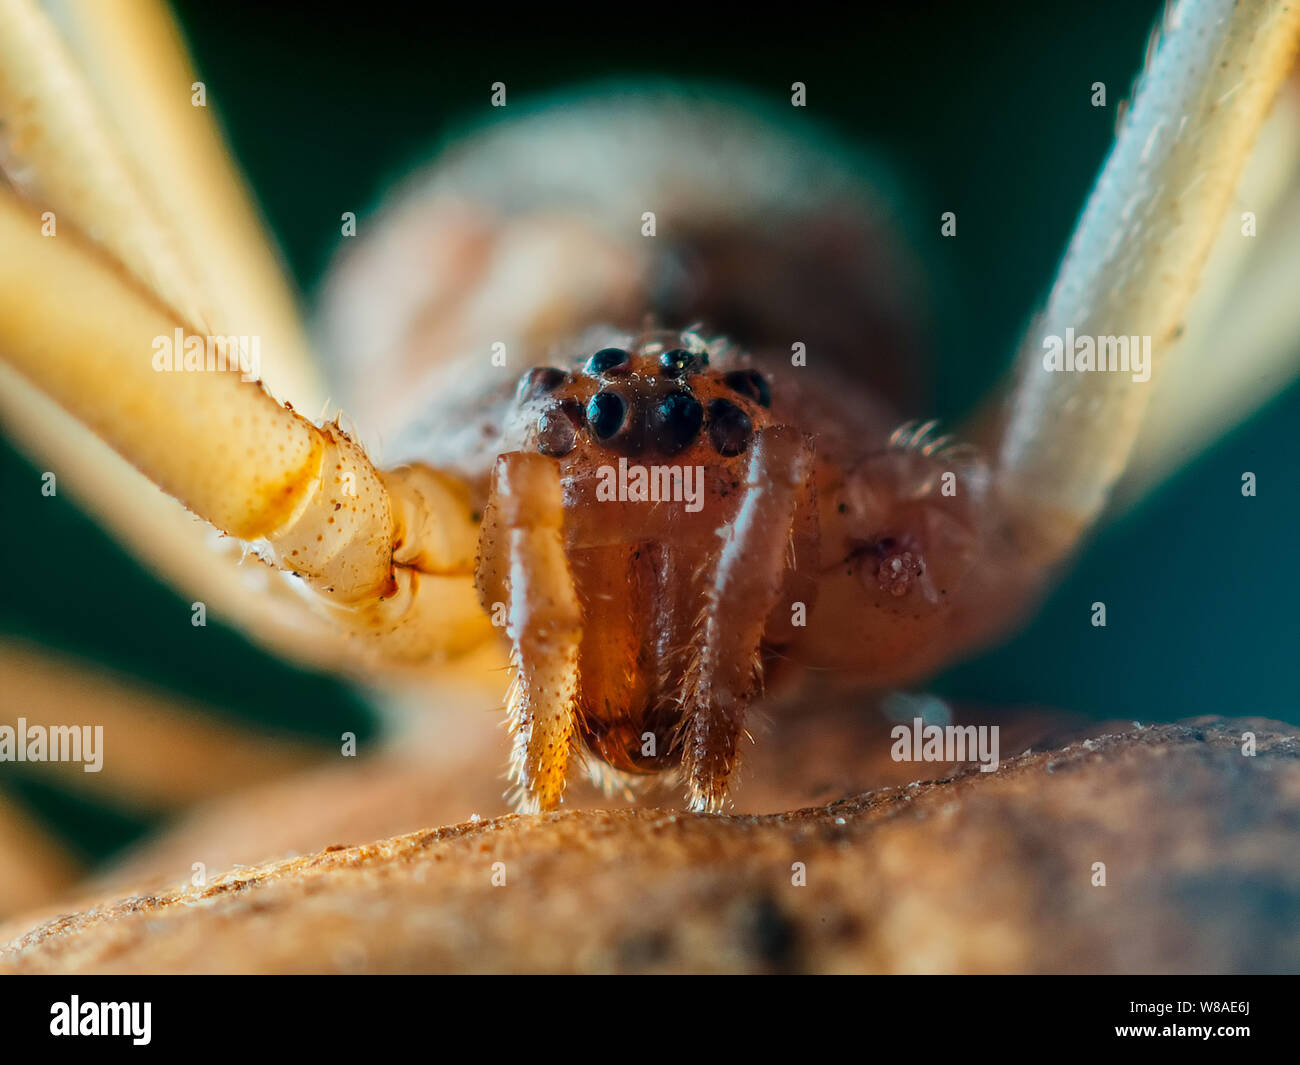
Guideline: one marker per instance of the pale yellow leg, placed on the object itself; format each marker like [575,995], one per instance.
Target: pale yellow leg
[1241,343]
[100,128]
[155,752]
[58,148]
[227,450]
[1137,256]
[134,59]
[158,191]
[174,544]
[219,444]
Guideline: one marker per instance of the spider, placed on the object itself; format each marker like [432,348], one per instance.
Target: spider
[636,404]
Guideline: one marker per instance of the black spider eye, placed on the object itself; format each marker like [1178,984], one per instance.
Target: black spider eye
[676,420]
[679,362]
[557,429]
[606,359]
[729,427]
[538,381]
[605,413]
[750,384]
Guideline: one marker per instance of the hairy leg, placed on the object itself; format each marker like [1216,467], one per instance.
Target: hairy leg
[724,674]
[522,558]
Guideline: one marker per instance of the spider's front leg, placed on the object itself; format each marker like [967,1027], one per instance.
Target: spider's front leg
[724,673]
[523,566]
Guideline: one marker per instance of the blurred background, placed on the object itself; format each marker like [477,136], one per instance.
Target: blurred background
[985,112]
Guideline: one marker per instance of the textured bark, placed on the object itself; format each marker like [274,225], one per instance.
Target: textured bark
[974,872]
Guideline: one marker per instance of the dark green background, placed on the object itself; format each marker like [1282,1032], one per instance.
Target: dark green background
[983,113]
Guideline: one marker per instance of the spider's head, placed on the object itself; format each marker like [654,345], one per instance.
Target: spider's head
[653,436]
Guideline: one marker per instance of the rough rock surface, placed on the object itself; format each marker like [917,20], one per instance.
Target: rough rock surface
[974,872]
[810,755]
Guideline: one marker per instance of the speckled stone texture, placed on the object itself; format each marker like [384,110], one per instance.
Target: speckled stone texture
[972,873]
